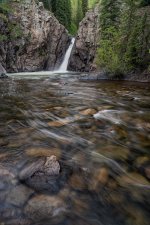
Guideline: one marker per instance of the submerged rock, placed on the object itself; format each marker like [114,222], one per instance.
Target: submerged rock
[44,175]
[19,195]
[43,152]
[43,207]
[88,112]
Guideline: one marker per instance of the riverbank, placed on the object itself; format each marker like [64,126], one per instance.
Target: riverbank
[139,77]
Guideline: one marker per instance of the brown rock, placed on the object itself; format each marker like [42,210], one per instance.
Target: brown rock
[114,152]
[99,179]
[43,152]
[51,166]
[48,166]
[59,123]
[31,168]
[8,175]
[19,195]
[141,160]
[77,182]
[4,156]
[88,112]
[80,205]
[133,179]
[43,207]
[147,172]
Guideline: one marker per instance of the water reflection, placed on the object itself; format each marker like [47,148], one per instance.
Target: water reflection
[99,133]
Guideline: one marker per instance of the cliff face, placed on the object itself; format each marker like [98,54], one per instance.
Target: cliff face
[84,51]
[31,38]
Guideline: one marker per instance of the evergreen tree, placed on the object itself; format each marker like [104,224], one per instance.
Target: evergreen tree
[145,2]
[79,14]
[109,15]
[84,6]
[63,12]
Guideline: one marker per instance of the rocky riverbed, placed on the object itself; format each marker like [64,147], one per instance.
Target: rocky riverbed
[73,152]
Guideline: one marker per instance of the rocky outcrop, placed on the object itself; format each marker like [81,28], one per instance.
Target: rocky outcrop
[31,38]
[84,51]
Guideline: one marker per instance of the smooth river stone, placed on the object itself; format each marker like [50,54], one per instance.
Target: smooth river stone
[88,112]
[19,195]
[31,168]
[44,207]
[99,179]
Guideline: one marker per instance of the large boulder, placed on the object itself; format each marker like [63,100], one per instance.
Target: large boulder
[84,50]
[32,39]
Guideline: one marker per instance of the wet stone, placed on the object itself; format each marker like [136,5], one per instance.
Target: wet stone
[7,178]
[77,182]
[43,207]
[140,161]
[30,168]
[88,112]
[147,172]
[10,212]
[114,152]
[134,179]
[48,178]
[18,221]
[43,152]
[99,179]
[19,195]
[59,123]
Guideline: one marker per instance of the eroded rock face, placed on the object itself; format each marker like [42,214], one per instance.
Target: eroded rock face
[33,39]
[84,51]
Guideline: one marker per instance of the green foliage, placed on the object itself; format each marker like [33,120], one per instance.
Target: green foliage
[145,2]
[91,3]
[61,9]
[3,37]
[69,12]
[124,42]
[84,6]
[79,14]
[15,31]
[5,7]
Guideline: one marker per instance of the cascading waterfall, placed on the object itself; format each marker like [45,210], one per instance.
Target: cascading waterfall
[64,65]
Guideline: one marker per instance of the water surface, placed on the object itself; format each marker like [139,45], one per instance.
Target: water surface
[100,133]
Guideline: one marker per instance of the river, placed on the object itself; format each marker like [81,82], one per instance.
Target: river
[100,135]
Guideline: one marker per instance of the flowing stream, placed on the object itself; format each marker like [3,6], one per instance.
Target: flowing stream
[64,65]
[100,135]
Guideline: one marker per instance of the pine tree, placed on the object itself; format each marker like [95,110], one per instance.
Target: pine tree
[79,14]
[63,12]
[84,6]
[110,11]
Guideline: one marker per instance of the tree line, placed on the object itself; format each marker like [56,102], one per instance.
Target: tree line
[124,44]
[69,12]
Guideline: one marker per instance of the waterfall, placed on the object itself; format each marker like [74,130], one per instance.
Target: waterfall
[64,65]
